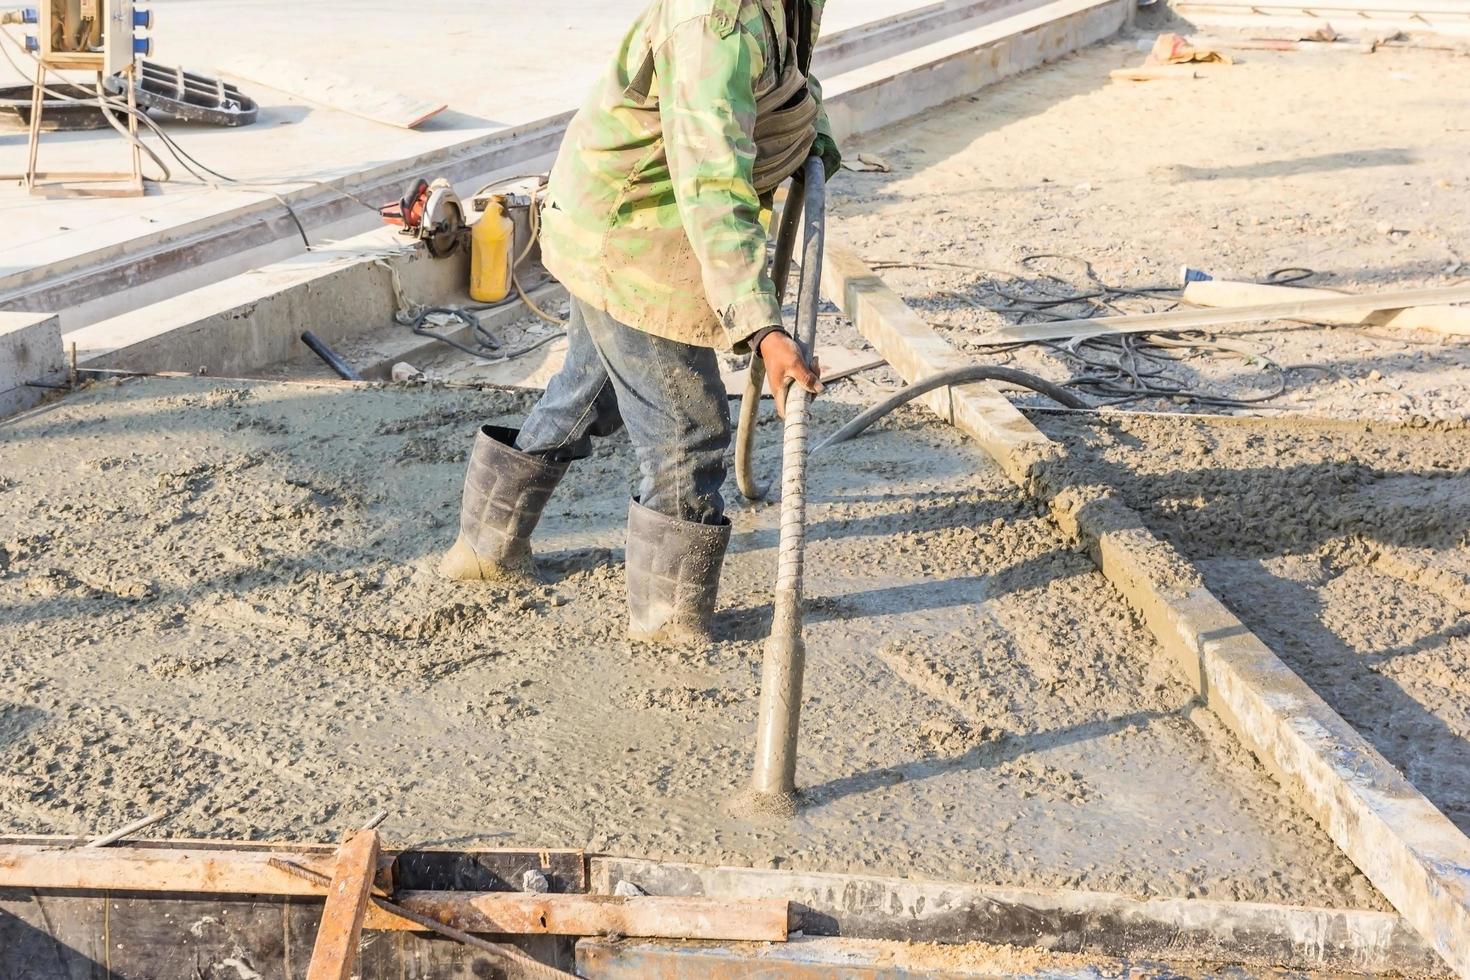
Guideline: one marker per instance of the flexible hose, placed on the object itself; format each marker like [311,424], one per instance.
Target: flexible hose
[750,402]
[955,376]
[793,452]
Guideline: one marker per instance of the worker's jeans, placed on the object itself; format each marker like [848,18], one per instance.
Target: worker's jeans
[669,396]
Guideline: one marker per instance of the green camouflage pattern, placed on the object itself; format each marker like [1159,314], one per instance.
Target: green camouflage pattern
[651,215]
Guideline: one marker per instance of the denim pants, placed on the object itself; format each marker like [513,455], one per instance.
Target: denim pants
[668,395]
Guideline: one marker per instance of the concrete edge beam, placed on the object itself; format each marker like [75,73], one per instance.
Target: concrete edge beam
[807,958]
[31,354]
[246,322]
[1409,850]
[1066,921]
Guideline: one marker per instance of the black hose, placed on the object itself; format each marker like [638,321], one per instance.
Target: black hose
[955,376]
[333,360]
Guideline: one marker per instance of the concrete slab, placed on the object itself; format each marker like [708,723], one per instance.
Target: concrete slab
[242,323]
[30,352]
[1410,851]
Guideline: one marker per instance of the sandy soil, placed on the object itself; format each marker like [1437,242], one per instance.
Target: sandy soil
[1346,548]
[1356,166]
[219,600]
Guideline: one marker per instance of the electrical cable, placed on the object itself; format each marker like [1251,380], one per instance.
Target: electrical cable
[1118,368]
[944,379]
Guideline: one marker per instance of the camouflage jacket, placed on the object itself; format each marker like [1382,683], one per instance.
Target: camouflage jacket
[651,214]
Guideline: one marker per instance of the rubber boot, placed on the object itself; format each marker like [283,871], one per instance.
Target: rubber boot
[673,571]
[505,491]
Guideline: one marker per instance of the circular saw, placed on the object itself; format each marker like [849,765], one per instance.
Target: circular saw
[431,213]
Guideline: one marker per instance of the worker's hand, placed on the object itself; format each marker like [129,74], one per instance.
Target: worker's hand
[785,366]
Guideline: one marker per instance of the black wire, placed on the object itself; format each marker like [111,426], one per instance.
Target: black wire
[1119,368]
[487,345]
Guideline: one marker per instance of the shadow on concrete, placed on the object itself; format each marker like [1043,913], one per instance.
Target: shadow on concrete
[1233,516]
[985,756]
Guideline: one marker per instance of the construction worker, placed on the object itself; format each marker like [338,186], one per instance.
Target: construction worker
[652,221]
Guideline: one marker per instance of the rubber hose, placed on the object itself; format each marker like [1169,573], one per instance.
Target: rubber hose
[750,403]
[955,376]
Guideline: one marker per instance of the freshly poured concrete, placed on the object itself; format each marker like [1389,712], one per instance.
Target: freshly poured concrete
[219,600]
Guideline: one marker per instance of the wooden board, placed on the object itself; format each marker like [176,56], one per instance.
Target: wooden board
[334,956]
[522,913]
[821,958]
[327,88]
[1173,320]
[1222,293]
[95,935]
[1153,73]
[479,869]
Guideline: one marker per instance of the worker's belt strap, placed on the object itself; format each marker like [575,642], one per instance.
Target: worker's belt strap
[785,127]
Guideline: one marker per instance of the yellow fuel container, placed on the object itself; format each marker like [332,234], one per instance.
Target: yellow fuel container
[491,240]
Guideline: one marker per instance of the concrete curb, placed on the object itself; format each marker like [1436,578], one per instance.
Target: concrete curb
[1067,921]
[1397,838]
[245,322]
[30,354]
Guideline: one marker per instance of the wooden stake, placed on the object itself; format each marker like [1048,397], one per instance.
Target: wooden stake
[335,955]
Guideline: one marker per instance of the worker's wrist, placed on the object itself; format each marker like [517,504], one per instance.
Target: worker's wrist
[760,336]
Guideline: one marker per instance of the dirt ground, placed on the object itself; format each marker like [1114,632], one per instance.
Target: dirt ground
[219,600]
[1354,166]
[1345,547]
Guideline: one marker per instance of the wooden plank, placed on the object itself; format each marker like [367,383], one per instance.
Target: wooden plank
[861,906]
[479,869]
[155,870]
[523,913]
[1156,73]
[334,957]
[811,958]
[1255,313]
[1227,293]
[93,935]
[335,91]
[1410,851]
